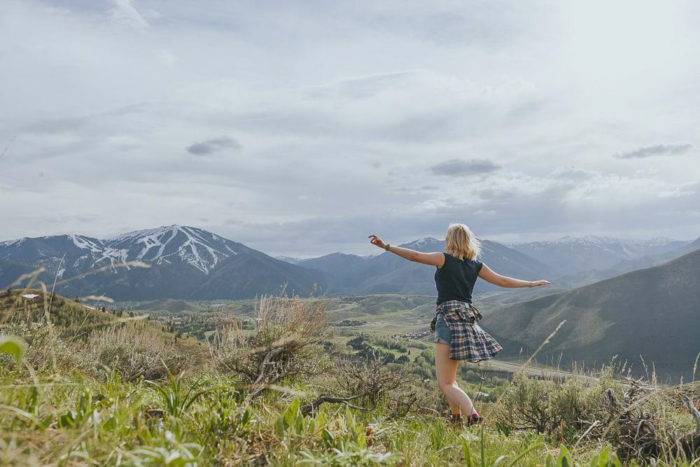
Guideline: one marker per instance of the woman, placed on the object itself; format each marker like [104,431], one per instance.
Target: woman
[457,336]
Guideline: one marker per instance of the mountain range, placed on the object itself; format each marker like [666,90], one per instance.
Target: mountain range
[577,261]
[191,263]
[571,255]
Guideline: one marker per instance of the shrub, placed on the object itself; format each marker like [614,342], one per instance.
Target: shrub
[45,351]
[287,342]
[359,342]
[563,410]
[138,350]
[634,416]
[370,381]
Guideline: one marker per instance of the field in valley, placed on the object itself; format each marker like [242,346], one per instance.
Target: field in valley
[401,318]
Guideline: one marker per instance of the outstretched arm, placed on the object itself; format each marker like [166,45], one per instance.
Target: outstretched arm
[432,259]
[503,281]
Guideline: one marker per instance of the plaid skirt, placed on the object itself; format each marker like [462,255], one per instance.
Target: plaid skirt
[467,341]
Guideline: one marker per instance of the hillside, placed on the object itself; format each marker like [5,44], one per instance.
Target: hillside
[183,262]
[80,336]
[388,273]
[651,313]
[21,306]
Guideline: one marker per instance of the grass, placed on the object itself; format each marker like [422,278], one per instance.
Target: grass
[112,422]
[107,390]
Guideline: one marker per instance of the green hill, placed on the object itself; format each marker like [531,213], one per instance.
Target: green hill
[29,306]
[651,313]
[68,335]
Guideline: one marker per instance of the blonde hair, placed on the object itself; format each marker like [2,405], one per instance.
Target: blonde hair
[461,242]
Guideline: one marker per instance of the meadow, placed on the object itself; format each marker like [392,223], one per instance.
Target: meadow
[286,381]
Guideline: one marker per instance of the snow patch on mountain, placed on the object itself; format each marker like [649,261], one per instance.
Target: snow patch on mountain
[115,257]
[163,245]
[572,255]
[16,242]
[422,243]
[192,246]
[85,243]
[601,241]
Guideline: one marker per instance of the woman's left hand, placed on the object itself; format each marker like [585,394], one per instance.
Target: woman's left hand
[539,283]
[376,241]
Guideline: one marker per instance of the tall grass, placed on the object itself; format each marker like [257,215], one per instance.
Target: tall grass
[285,343]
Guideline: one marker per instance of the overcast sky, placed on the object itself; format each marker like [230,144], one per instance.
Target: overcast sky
[298,128]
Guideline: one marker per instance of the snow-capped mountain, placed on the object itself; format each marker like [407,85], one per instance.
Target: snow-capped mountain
[571,255]
[173,244]
[183,262]
[57,254]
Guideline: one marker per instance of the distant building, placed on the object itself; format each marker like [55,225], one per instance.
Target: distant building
[31,297]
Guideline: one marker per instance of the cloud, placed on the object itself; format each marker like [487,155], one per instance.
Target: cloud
[490,194]
[656,150]
[213,145]
[361,87]
[571,173]
[54,125]
[461,167]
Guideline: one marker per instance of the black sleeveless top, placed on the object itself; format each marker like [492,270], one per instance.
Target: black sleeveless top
[455,279]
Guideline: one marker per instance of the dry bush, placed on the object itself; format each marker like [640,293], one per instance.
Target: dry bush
[374,385]
[370,385]
[564,410]
[285,342]
[289,318]
[138,349]
[45,351]
[643,423]
[415,396]
[369,380]
[641,420]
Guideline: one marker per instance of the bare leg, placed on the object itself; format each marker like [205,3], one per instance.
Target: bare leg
[446,371]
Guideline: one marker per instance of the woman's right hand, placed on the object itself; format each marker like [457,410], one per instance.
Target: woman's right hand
[539,283]
[376,241]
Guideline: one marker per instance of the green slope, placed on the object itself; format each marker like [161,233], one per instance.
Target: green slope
[650,313]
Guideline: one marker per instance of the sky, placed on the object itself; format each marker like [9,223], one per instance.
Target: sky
[300,127]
